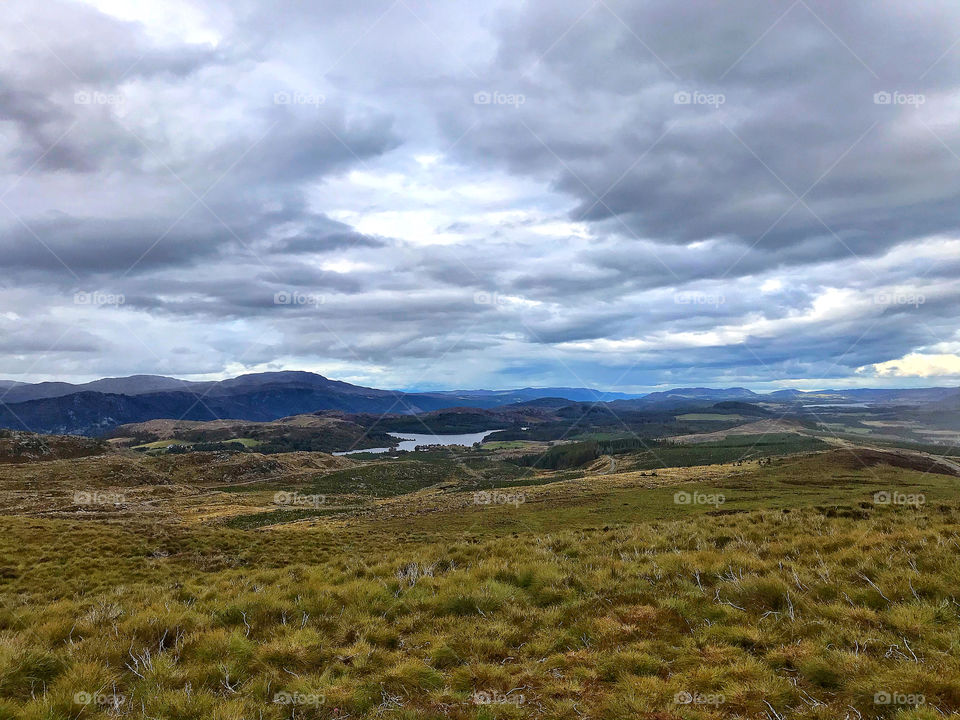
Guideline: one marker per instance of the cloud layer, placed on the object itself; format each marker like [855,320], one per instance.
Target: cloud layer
[424,195]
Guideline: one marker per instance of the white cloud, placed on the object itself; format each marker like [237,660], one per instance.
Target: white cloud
[164,19]
[916,365]
[584,210]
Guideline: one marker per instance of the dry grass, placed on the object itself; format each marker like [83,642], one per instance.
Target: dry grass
[593,598]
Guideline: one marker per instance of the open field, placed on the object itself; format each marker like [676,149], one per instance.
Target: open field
[711,416]
[810,586]
[499,360]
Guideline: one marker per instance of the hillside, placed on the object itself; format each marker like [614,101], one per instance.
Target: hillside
[307,586]
[24,447]
[98,407]
[313,432]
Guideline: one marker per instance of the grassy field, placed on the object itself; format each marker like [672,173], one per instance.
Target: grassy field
[811,586]
[732,449]
[157,445]
[508,445]
[711,416]
[160,445]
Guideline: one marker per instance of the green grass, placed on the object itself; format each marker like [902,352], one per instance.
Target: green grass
[616,621]
[246,442]
[731,449]
[711,416]
[383,479]
[159,444]
[933,449]
[599,598]
[251,521]
[833,482]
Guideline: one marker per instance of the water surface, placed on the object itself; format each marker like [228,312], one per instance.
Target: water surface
[409,441]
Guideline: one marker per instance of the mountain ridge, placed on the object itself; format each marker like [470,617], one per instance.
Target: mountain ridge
[90,409]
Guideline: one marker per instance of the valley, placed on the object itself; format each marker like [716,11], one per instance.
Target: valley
[220,584]
[670,558]
[417,360]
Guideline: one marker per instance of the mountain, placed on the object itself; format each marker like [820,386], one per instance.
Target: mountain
[525,394]
[95,408]
[885,396]
[92,413]
[12,391]
[786,394]
[741,408]
[551,403]
[684,397]
[294,379]
[700,393]
[133,385]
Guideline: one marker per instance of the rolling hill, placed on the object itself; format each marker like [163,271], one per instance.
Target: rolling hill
[95,408]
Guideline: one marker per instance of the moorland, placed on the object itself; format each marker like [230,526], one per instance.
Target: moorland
[703,558]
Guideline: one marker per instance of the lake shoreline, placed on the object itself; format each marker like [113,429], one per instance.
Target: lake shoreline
[410,441]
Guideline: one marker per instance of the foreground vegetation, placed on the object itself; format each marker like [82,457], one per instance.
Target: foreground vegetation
[788,589]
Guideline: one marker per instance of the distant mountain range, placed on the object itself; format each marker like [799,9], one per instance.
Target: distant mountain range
[505,397]
[895,396]
[96,407]
[146,384]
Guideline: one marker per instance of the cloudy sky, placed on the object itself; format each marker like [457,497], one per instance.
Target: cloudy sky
[424,194]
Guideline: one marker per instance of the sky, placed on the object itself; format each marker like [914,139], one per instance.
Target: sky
[416,194]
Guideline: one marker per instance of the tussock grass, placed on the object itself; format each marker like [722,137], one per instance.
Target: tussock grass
[788,608]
